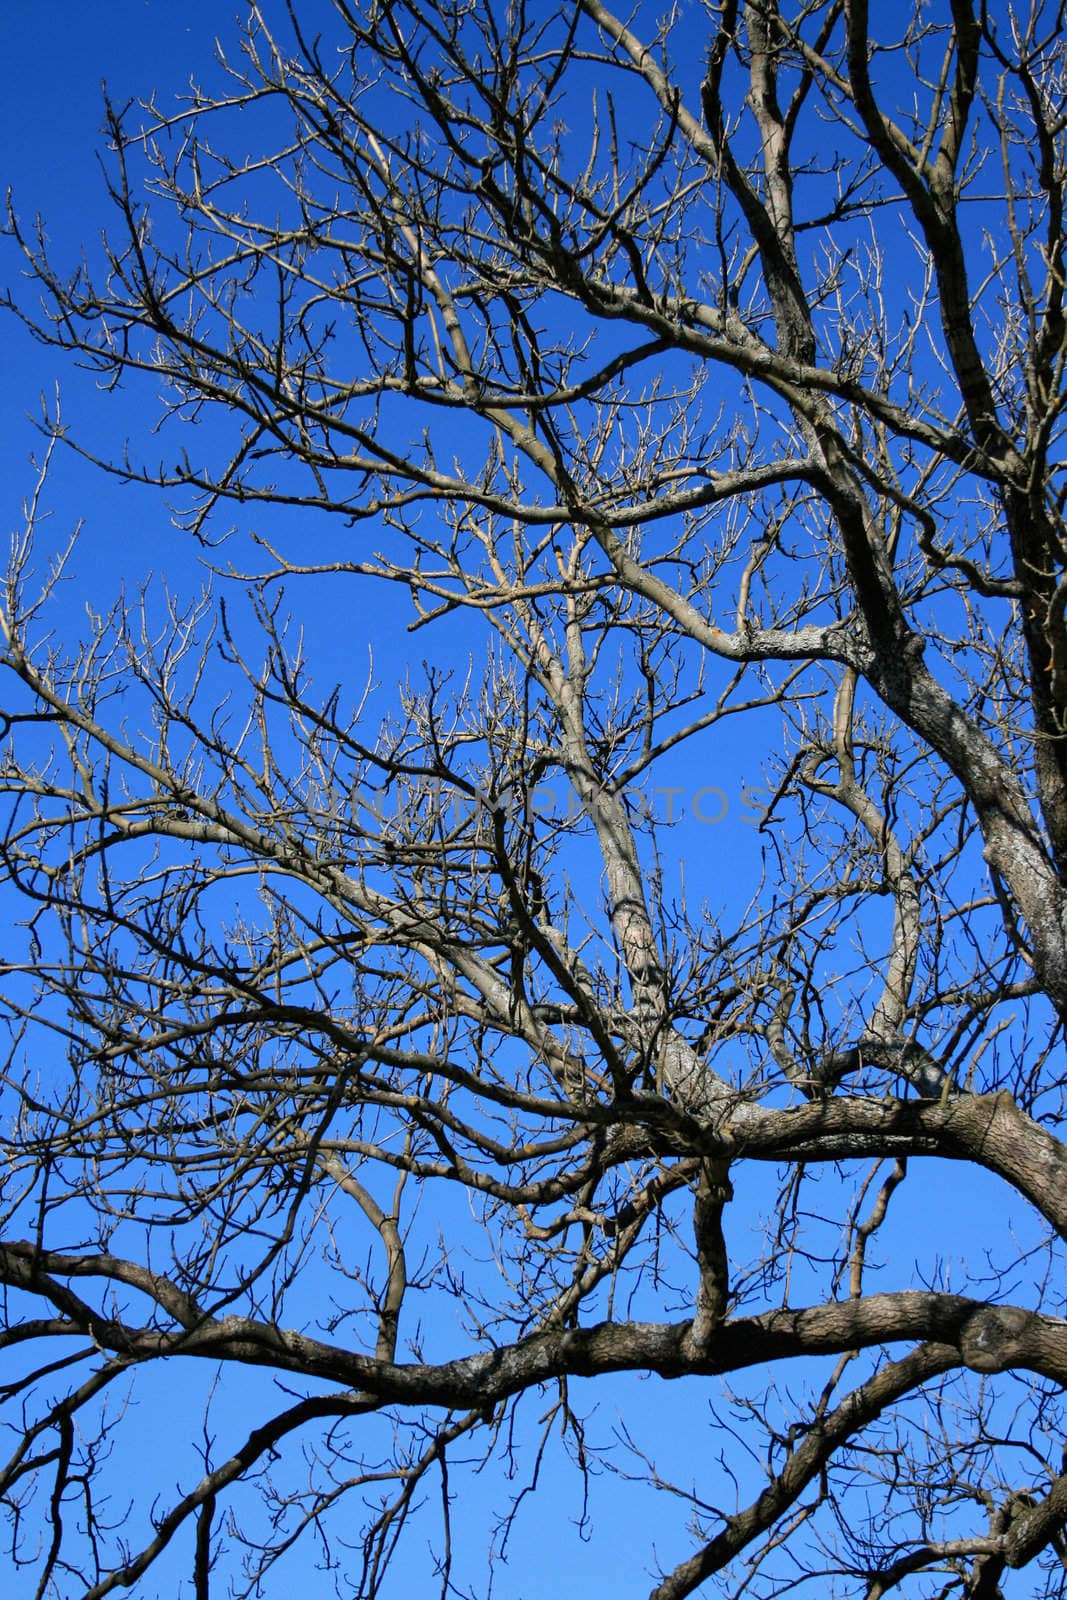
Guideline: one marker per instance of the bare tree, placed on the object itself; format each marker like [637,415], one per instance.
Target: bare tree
[702,369]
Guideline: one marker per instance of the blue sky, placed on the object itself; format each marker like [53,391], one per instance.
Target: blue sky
[56,55]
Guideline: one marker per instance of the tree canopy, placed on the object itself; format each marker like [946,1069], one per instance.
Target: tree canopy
[399,1070]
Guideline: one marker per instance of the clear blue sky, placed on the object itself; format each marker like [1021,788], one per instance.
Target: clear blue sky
[56,54]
